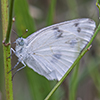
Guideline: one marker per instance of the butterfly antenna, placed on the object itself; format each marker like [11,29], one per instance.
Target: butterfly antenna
[15,33]
[25,32]
[13,68]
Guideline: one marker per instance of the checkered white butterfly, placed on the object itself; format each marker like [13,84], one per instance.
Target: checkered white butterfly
[52,50]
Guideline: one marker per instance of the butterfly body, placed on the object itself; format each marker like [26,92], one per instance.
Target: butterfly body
[52,50]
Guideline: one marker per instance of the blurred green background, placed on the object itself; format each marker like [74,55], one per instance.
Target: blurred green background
[83,83]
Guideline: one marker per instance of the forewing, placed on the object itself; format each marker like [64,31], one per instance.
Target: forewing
[55,48]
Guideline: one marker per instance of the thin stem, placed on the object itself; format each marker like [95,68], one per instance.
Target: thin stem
[98,5]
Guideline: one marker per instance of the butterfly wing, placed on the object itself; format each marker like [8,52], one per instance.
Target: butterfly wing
[55,48]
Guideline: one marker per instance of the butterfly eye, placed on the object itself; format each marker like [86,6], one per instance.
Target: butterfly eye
[21,43]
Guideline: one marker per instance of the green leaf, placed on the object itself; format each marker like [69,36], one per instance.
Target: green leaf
[51,12]
[23,19]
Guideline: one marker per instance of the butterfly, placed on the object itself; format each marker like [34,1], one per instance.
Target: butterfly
[52,50]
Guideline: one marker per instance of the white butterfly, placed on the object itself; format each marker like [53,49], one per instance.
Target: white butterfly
[52,50]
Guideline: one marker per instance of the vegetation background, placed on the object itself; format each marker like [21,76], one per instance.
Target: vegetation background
[83,83]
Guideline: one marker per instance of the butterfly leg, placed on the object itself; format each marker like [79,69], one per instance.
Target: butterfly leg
[19,69]
[12,50]
[11,53]
[14,67]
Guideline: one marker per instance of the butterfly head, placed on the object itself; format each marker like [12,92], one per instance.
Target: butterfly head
[20,41]
[20,45]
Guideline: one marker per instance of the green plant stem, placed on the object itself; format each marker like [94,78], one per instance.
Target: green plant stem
[9,21]
[98,5]
[76,61]
[6,51]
